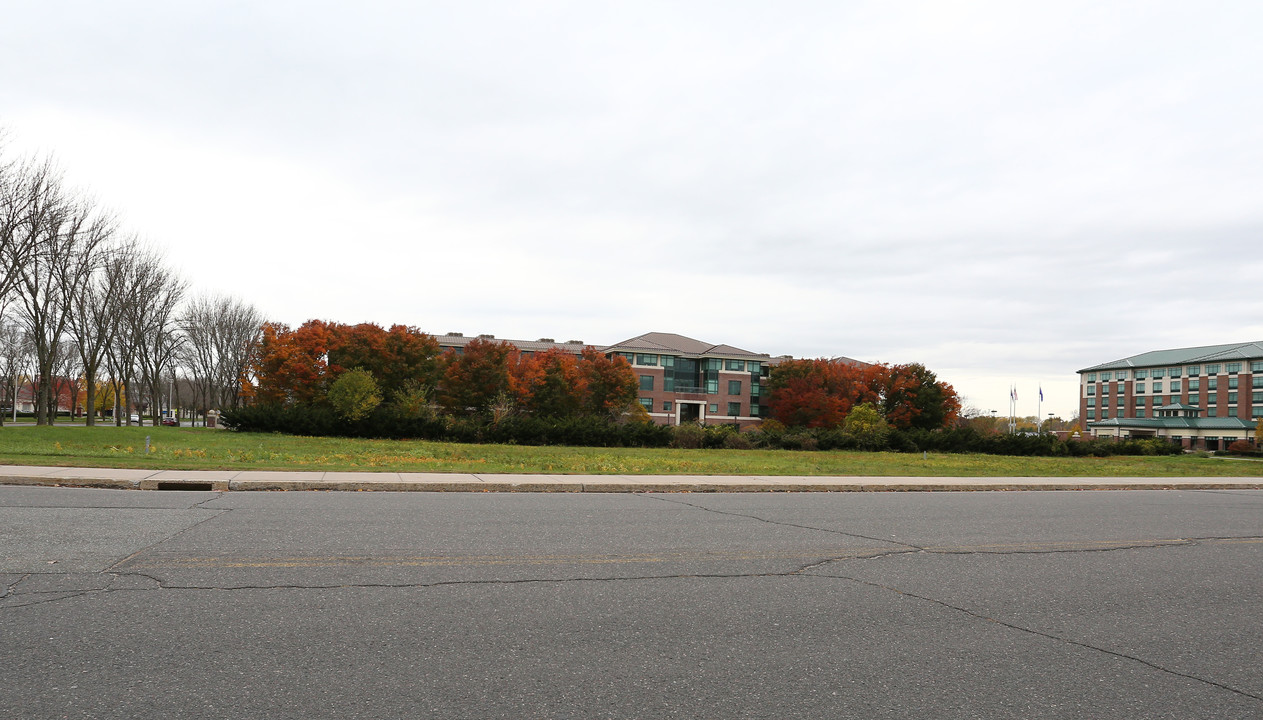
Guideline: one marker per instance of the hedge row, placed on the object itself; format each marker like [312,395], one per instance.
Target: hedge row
[387,422]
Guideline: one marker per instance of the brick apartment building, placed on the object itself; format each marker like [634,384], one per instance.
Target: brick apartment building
[681,379]
[1203,397]
[685,380]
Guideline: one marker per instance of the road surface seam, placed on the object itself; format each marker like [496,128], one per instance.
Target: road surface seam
[147,548]
[1048,636]
[784,524]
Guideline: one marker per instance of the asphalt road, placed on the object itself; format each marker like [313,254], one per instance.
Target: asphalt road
[1133,604]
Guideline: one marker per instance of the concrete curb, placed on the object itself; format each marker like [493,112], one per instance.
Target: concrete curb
[256,481]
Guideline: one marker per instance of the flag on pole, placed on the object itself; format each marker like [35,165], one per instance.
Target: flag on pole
[1041,393]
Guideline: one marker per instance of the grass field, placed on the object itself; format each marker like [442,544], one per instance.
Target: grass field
[201,449]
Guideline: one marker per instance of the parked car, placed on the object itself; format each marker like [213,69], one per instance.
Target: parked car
[171,422]
[135,418]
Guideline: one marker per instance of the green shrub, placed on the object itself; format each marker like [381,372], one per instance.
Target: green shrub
[354,395]
[688,436]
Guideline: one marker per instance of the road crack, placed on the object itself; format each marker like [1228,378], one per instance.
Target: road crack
[909,546]
[1046,635]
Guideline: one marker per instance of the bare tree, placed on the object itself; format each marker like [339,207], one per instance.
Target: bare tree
[159,339]
[67,235]
[30,191]
[23,185]
[140,278]
[15,355]
[95,318]
[221,334]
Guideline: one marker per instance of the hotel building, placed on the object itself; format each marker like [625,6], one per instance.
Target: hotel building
[1202,397]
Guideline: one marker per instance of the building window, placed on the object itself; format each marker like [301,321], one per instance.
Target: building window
[1194,370]
[1157,387]
[666,406]
[734,409]
[1091,390]
[1122,401]
[1140,412]
[1175,386]
[1211,399]
[1157,373]
[1091,414]
[1194,384]
[1105,413]
[755,388]
[1211,412]
[629,357]
[1257,381]
[1232,398]
[713,408]
[1212,383]
[1142,374]
[1175,372]
[1105,377]
[643,359]
[738,365]
[668,382]
[1232,383]
[1256,366]
[754,409]
[1192,399]
[647,403]
[1256,413]
[734,387]
[1157,401]
[1091,402]
[646,383]
[712,388]
[1091,377]
[1140,402]
[1121,375]
[1140,387]
[1232,368]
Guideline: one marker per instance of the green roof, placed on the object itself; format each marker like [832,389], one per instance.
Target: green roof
[1185,356]
[1215,423]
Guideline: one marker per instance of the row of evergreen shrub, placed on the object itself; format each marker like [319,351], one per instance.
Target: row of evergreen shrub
[388,422]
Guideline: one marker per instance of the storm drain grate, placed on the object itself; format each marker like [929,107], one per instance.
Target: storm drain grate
[182,485]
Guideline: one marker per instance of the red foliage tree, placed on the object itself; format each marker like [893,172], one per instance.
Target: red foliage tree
[292,365]
[473,379]
[393,357]
[820,392]
[611,385]
[913,397]
[550,383]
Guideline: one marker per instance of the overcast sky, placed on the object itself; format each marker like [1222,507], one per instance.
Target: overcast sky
[1006,192]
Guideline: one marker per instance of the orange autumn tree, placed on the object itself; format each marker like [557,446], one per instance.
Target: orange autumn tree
[820,392]
[611,384]
[913,397]
[394,357]
[549,383]
[476,378]
[292,365]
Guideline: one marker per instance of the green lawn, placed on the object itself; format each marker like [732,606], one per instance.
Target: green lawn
[198,448]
